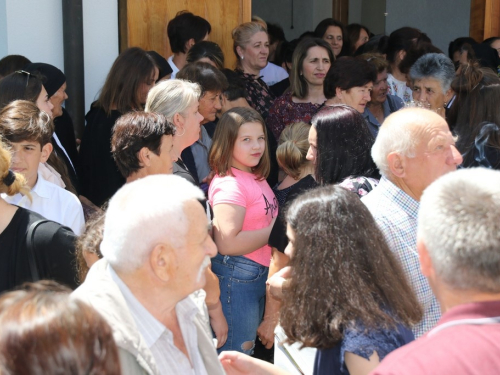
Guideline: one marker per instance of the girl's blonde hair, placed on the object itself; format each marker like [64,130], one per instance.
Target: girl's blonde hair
[292,148]
[19,184]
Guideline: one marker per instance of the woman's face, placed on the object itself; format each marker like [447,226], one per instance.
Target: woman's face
[254,56]
[313,143]
[188,127]
[290,233]
[380,88]
[429,92]
[58,99]
[43,103]
[333,35]
[146,86]
[363,38]
[357,97]
[315,66]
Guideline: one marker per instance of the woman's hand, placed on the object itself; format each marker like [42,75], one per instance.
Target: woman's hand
[236,363]
[275,282]
[218,323]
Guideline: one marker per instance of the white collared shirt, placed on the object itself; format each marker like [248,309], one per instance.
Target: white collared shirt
[159,339]
[273,73]
[53,203]
[175,70]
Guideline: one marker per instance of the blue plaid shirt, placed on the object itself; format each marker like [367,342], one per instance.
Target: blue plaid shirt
[395,212]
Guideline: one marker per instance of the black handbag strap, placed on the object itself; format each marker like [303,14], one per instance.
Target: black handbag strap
[31,247]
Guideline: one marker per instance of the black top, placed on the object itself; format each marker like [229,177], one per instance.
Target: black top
[99,176]
[54,252]
[278,238]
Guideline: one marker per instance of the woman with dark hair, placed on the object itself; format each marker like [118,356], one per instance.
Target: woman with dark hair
[334,33]
[400,41]
[365,306]
[23,85]
[10,63]
[312,59]
[340,146]
[350,81]
[51,333]
[206,51]
[477,117]
[493,42]
[126,88]
[358,35]
[251,47]
[382,104]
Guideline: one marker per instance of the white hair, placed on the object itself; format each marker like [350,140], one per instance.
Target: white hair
[141,214]
[397,134]
[459,223]
[172,96]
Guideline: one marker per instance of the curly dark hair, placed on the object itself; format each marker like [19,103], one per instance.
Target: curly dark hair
[342,271]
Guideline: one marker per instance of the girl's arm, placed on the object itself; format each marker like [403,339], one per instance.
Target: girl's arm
[229,238]
[357,365]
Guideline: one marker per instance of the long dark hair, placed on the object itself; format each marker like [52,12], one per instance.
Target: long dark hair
[20,85]
[132,67]
[342,271]
[344,145]
[320,31]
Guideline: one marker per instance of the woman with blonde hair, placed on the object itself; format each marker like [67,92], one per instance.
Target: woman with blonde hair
[251,47]
[54,244]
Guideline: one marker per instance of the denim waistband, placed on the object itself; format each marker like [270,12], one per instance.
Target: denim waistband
[230,259]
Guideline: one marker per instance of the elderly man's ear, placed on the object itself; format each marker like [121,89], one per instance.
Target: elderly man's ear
[424,258]
[396,164]
[143,156]
[163,261]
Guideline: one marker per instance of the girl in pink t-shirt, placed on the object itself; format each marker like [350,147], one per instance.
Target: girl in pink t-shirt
[245,209]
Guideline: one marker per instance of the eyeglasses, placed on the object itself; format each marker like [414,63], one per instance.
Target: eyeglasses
[28,75]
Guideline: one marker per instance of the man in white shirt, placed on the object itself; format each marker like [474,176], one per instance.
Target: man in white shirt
[184,31]
[28,131]
[156,248]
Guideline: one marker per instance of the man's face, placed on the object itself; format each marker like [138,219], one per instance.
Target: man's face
[194,257]
[163,163]
[26,156]
[435,156]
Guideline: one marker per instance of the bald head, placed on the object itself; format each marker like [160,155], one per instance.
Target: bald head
[413,148]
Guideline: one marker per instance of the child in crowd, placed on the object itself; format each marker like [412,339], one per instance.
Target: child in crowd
[245,210]
[28,131]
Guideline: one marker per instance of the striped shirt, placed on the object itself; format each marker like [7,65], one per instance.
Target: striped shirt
[159,339]
[395,212]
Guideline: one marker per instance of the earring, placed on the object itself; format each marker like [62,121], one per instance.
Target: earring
[180,135]
[242,57]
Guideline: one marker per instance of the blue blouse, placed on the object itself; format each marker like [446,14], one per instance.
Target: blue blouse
[357,341]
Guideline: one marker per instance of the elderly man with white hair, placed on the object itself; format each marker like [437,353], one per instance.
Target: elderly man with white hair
[458,242]
[156,248]
[414,147]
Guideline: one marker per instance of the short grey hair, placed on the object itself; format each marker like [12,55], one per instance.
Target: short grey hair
[459,224]
[434,65]
[172,96]
[141,214]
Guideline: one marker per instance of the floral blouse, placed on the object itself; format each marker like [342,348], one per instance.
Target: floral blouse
[259,96]
[285,112]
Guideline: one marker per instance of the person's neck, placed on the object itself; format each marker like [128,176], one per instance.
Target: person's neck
[315,94]
[7,212]
[179,60]
[400,183]
[449,298]
[250,70]
[289,180]
[141,173]
[138,281]
[396,73]
[333,101]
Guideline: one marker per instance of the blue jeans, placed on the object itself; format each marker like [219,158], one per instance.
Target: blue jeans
[243,296]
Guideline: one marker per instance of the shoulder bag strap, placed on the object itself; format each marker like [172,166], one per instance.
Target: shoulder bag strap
[30,247]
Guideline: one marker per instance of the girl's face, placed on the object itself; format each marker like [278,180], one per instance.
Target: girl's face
[290,233]
[313,142]
[249,147]
[43,103]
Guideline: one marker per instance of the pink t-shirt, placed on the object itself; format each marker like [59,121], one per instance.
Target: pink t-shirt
[257,197]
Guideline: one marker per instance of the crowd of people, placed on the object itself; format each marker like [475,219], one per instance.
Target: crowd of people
[314,187]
